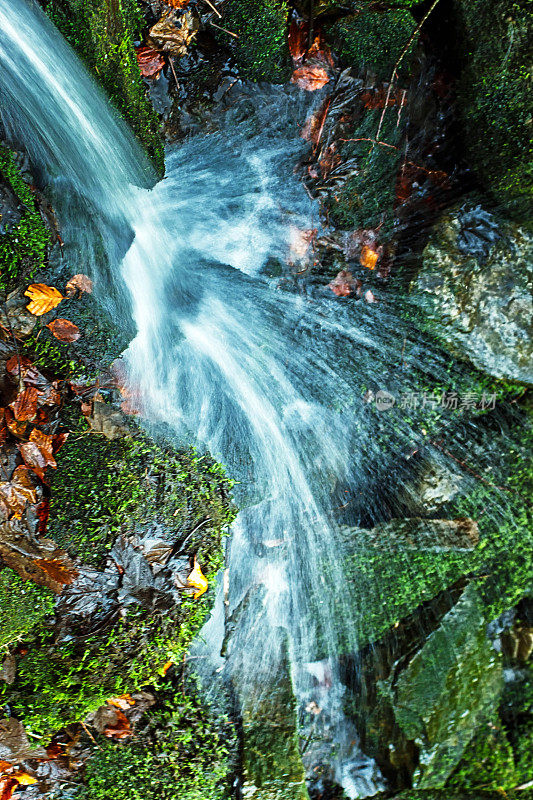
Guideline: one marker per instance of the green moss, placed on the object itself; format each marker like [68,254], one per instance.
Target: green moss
[102,32]
[103,488]
[487,761]
[23,606]
[183,753]
[370,39]
[23,246]
[366,199]
[261,50]
[494,95]
[399,582]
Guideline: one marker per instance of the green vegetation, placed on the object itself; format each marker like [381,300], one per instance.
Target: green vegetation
[23,606]
[182,753]
[102,32]
[103,488]
[261,50]
[398,582]
[494,95]
[371,39]
[23,245]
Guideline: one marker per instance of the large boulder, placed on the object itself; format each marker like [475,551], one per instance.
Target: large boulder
[447,689]
[474,290]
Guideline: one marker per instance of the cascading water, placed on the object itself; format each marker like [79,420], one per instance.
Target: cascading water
[269,380]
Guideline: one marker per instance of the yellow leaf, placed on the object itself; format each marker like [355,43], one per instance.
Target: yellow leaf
[43,298]
[24,779]
[197,580]
[165,668]
[369,257]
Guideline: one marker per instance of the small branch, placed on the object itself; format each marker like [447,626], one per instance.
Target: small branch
[220,28]
[217,12]
[402,55]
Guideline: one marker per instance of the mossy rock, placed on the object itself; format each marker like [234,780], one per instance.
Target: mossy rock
[23,606]
[487,762]
[451,685]
[23,242]
[494,91]
[261,51]
[102,32]
[183,752]
[104,488]
[371,39]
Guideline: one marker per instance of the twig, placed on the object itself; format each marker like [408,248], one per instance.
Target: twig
[172,68]
[400,59]
[217,12]
[89,734]
[220,28]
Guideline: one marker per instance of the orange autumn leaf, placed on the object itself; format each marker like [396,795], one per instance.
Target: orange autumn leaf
[120,729]
[7,787]
[64,330]
[60,572]
[369,257]
[310,77]
[177,3]
[197,580]
[165,668]
[123,701]
[37,453]
[81,283]
[43,298]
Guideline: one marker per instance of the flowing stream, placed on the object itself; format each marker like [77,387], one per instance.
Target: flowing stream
[270,380]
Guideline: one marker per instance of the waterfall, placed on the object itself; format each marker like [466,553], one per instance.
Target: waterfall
[270,380]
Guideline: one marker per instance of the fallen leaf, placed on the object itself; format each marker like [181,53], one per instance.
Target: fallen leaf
[298,38]
[150,61]
[177,3]
[370,297]
[22,368]
[64,330]
[173,32]
[119,729]
[165,668]
[25,404]
[343,284]
[310,77]
[197,580]
[7,787]
[81,283]
[40,561]
[369,257]
[43,298]
[38,451]
[24,779]
[123,701]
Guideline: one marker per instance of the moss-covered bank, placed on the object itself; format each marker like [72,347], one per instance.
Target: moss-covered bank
[102,32]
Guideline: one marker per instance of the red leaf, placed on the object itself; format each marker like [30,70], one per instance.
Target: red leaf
[43,512]
[64,330]
[298,38]
[150,61]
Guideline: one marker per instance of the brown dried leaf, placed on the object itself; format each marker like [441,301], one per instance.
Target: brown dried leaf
[343,284]
[81,283]
[310,77]
[43,298]
[64,330]
[39,561]
[121,729]
[173,32]
[25,404]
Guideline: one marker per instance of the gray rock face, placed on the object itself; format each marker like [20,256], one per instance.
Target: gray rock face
[475,289]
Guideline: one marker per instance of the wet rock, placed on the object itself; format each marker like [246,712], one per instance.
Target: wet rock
[107,420]
[447,689]
[14,743]
[475,290]
[434,486]
[419,534]
[14,315]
